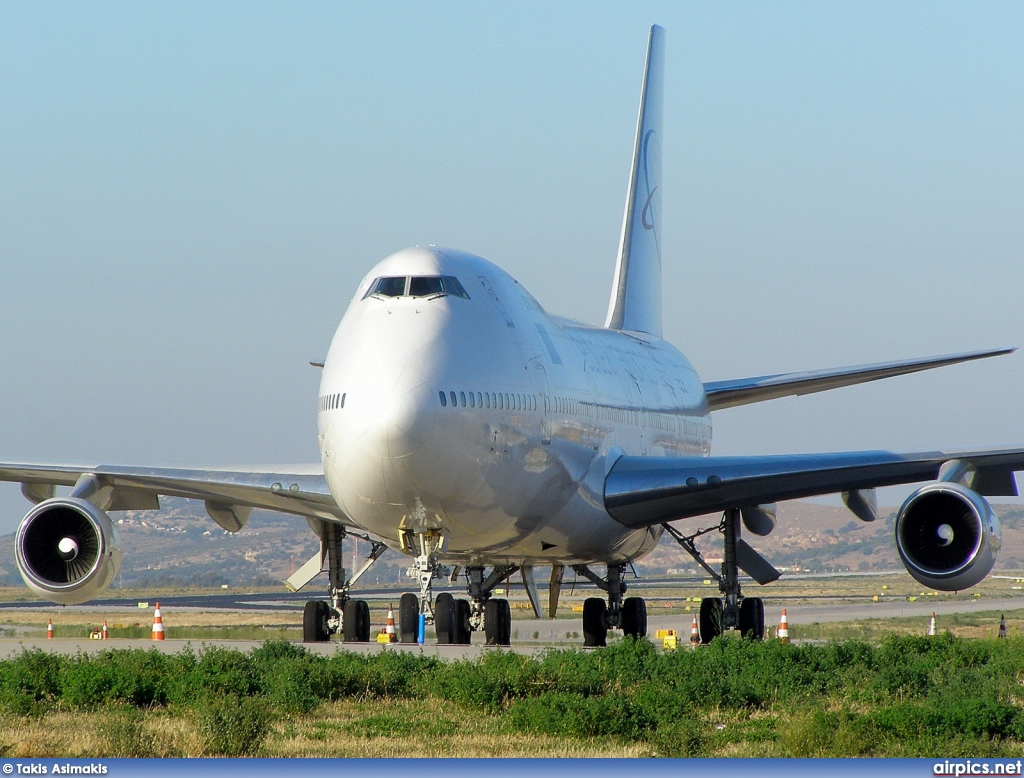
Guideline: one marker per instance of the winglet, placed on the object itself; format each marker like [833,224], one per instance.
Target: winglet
[636,293]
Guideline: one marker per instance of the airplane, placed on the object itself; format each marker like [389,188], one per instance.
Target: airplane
[464,426]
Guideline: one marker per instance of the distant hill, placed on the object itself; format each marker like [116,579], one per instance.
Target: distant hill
[180,545]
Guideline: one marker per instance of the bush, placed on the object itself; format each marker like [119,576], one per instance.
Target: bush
[233,726]
[124,735]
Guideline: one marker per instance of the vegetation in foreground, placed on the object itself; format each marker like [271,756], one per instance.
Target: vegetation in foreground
[908,696]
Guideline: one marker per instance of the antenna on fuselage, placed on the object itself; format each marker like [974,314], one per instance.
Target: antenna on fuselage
[636,291]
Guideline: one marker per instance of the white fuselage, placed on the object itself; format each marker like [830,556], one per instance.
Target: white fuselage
[486,420]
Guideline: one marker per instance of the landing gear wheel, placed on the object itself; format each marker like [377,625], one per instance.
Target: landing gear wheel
[498,623]
[462,630]
[710,621]
[595,632]
[408,618]
[752,618]
[314,622]
[444,619]
[356,622]
[634,617]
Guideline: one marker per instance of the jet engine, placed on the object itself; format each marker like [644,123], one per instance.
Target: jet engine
[947,536]
[67,550]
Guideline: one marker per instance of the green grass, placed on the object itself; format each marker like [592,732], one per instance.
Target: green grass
[907,696]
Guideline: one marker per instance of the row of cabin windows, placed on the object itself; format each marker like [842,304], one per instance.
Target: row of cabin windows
[497,400]
[330,402]
[415,286]
[662,421]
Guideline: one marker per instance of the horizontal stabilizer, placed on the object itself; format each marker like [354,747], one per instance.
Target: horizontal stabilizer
[743,391]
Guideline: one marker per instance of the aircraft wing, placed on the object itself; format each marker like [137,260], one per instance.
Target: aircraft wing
[297,489]
[743,391]
[645,491]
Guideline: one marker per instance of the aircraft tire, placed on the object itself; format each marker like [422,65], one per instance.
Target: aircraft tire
[595,632]
[710,620]
[356,622]
[314,622]
[463,632]
[408,618]
[444,619]
[634,617]
[752,618]
[498,623]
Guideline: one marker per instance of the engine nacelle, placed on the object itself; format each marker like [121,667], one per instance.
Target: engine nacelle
[947,536]
[67,550]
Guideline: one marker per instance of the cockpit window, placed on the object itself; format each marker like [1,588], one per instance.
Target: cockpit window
[388,287]
[452,286]
[424,286]
[416,286]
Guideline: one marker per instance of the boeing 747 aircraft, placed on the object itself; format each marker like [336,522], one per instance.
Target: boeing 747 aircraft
[463,425]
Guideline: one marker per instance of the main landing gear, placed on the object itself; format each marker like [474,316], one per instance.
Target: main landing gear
[732,611]
[351,617]
[628,614]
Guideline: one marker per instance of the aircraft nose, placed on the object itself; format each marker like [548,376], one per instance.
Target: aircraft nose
[396,411]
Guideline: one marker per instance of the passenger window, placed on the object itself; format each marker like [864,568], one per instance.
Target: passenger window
[343,401]
[508,402]
[472,400]
[425,286]
[455,402]
[444,400]
[487,399]
[479,400]
[462,396]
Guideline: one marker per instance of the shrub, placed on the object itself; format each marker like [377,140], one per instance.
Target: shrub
[232,726]
[124,735]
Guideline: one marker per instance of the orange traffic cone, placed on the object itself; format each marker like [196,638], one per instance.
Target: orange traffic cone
[1002,626]
[49,629]
[783,632]
[694,633]
[931,626]
[158,623]
[389,625]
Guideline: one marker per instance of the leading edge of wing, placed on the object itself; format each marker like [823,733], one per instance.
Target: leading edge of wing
[296,489]
[643,491]
[743,391]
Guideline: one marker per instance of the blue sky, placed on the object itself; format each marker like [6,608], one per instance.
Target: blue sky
[190,193]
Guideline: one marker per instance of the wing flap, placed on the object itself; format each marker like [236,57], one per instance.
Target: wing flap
[743,391]
[643,491]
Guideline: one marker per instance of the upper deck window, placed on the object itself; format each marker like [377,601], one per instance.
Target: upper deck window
[416,286]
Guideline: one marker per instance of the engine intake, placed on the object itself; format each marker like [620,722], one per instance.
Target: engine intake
[67,550]
[947,536]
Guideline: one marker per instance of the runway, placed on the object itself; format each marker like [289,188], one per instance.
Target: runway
[530,635]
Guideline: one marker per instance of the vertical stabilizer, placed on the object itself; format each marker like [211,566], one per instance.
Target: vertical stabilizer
[636,293]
